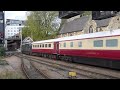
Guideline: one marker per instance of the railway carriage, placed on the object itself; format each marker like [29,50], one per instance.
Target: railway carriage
[100,48]
[46,48]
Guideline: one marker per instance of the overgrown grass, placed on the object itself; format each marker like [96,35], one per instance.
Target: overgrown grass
[10,75]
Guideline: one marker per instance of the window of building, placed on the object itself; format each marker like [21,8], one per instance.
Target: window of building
[11,30]
[71,34]
[91,29]
[8,30]
[112,43]
[11,33]
[71,44]
[8,33]
[1,21]
[49,45]
[98,43]
[101,29]
[97,29]
[45,45]
[64,44]
[79,44]
[42,45]
[14,30]
[118,19]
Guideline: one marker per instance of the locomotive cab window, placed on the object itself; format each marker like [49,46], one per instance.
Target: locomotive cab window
[71,44]
[98,43]
[112,43]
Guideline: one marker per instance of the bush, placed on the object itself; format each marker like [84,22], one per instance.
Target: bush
[2,51]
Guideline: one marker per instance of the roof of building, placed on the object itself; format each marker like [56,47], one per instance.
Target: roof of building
[103,22]
[27,39]
[75,25]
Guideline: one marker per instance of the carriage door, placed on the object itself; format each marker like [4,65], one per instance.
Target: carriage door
[56,47]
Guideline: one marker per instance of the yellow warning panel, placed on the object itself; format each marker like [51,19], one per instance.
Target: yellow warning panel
[72,74]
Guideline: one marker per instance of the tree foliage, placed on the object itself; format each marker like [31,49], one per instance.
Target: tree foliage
[41,25]
[87,13]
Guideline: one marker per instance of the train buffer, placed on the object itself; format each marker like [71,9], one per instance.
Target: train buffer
[72,75]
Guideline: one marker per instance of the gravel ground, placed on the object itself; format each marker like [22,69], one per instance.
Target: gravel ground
[51,72]
[15,64]
[54,73]
[86,67]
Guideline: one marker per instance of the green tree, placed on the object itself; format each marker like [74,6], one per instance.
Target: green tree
[41,25]
[87,13]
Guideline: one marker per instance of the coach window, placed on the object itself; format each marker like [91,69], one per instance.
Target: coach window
[98,43]
[42,45]
[79,44]
[71,44]
[112,43]
[60,44]
[49,45]
[64,44]
[45,45]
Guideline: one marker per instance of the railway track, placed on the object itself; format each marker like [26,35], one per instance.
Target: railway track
[31,71]
[83,72]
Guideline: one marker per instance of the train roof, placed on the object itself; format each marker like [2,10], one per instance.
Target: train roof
[83,36]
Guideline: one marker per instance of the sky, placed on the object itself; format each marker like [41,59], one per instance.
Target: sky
[20,15]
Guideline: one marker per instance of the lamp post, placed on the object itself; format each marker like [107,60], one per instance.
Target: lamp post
[20,30]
